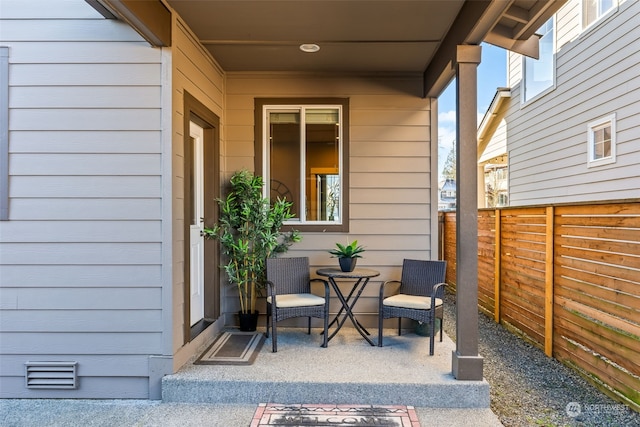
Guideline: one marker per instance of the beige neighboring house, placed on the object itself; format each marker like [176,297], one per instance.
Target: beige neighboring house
[121,120]
[568,127]
[493,166]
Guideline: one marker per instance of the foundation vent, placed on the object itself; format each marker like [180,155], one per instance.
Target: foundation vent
[52,375]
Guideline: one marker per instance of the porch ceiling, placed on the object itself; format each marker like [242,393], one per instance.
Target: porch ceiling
[395,36]
[359,35]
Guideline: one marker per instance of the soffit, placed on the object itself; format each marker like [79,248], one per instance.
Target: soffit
[373,36]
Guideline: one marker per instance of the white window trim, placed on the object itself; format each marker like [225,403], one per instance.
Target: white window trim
[523,101]
[591,162]
[266,160]
[599,19]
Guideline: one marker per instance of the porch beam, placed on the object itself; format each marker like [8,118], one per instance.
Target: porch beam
[150,18]
[442,68]
[529,47]
[466,363]
[539,13]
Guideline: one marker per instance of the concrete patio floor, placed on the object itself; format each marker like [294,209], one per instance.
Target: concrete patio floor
[349,371]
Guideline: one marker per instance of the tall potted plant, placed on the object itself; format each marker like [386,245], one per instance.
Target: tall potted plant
[248,229]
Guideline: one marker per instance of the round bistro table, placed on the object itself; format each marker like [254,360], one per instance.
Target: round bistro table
[360,278]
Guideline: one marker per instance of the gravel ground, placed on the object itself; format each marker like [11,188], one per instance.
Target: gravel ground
[530,389]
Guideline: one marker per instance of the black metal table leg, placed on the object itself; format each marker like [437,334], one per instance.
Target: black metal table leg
[348,308]
[361,277]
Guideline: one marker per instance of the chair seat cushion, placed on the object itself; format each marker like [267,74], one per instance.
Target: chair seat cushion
[297,300]
[410,301]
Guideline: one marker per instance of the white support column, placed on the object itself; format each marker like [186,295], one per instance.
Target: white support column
[466,363]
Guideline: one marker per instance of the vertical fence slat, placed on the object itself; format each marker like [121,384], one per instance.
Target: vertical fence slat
[497,265]
[567,278]
[548,299]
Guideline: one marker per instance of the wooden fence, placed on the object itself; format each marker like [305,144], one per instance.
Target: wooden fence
[567,279]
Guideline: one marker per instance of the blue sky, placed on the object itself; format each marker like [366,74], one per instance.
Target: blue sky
[492,73]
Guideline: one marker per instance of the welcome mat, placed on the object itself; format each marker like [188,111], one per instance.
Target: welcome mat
[273,415]
[232,348]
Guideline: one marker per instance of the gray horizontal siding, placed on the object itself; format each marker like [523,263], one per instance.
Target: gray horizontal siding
[65,343]
[84,276]
[84,164]
[83,74]
[85,209]
[30,324]
[80,31]
[85,141]
[82,252]
[45,10]
[81,232]
[92,299]
[84,97]
[59,52]
[84,119]
[86,320]
[596,75]
[567,26]
[107,387]
[79,186]
[93,366]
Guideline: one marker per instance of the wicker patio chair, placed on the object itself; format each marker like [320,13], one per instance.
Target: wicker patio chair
[419,297]
[289,295]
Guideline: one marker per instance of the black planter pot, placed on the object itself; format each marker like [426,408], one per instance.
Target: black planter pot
[424,329]
[347,264]
[248,321]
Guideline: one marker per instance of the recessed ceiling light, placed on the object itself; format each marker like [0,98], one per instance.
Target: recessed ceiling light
[309,47]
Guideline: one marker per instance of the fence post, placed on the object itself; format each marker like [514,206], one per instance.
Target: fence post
[497,266]
[441,237]
[548,296]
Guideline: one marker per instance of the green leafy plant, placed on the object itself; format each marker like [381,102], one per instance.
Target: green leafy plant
[248,229]
[352,250]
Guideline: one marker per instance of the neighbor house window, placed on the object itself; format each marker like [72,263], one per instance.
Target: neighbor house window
[302,158]
[539,74]
[4,133]
[592,10]
[496,185]
[602,141]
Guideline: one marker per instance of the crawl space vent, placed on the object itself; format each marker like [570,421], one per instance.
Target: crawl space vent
[52,375]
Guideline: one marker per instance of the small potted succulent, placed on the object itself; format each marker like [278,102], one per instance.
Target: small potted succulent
[347,255]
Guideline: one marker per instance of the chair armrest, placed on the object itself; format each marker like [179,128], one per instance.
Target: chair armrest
[271,288]
[438,292]
[384,285]
[326,286]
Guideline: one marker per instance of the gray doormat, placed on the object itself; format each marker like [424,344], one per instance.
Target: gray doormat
[232,348]
[272,415]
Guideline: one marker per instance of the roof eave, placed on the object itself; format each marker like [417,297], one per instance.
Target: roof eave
[480,21]
[491,120]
